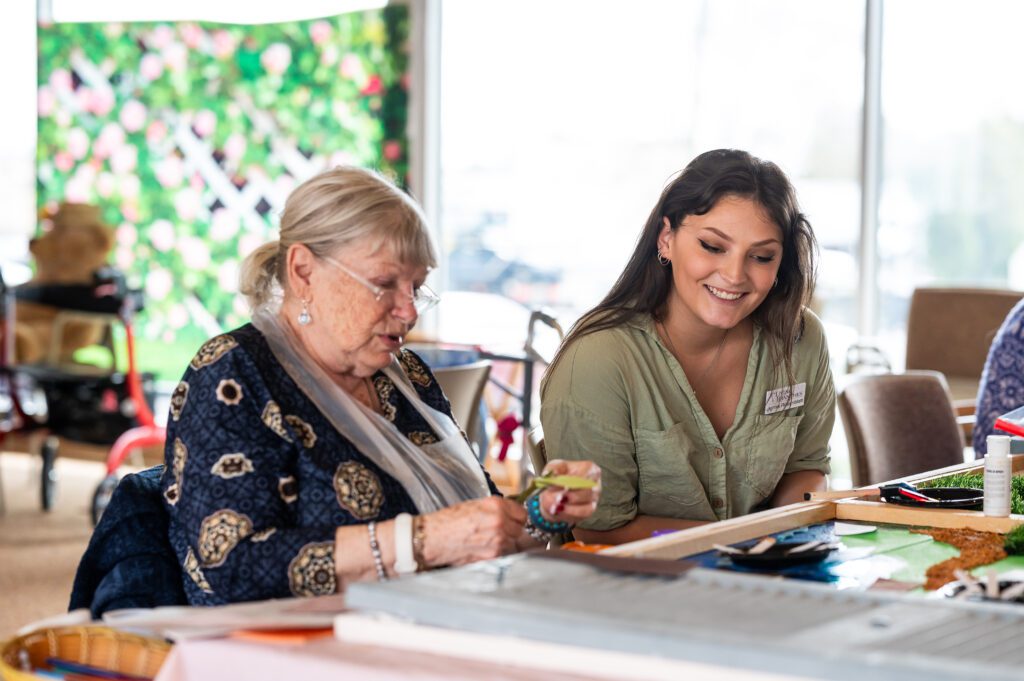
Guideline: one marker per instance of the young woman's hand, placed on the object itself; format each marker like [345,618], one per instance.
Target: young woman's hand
[558,504]
[473,530]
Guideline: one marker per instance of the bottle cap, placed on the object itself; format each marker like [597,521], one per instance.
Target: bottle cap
[998,445]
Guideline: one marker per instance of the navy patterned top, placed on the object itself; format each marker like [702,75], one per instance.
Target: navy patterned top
[257,480]
[1002,381]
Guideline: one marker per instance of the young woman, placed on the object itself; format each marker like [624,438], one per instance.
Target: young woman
[701,383]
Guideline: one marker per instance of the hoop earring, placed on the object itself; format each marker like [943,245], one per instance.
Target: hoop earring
[775,283]
[304,319]
[663,261]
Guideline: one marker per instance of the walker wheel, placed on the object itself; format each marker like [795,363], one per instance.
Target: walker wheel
[101,497]
[48,477]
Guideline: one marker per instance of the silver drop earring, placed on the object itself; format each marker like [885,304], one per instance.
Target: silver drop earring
[304,318]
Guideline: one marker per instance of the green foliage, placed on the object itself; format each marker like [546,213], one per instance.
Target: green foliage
[977,481]
[165,126]
[1014,541]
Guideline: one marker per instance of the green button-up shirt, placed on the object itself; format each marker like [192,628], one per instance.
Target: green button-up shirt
[619,398]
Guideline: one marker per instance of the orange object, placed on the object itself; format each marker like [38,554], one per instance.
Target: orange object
[584,547]
[282,635]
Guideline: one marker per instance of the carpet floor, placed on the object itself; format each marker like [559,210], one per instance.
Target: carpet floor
[39,551]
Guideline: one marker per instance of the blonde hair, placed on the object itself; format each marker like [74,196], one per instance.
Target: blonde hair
[330,211]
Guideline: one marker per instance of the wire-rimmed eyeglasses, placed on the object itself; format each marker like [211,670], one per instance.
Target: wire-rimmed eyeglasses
[422,297]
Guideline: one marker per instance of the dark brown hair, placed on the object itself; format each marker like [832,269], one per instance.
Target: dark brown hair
[644,286]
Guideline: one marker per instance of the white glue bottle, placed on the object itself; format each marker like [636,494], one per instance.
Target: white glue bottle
[997,476]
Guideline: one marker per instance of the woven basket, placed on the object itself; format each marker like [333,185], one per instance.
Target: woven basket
[100,647]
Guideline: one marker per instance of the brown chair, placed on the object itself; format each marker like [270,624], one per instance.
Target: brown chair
[950,330]
[898,425]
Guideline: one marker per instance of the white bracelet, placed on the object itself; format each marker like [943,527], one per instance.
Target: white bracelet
[405,561]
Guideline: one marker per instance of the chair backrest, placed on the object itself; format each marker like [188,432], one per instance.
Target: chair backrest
[464,385]
[535,448]
[950,330]
[898,425]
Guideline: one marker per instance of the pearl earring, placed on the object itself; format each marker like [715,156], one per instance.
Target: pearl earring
[304,318]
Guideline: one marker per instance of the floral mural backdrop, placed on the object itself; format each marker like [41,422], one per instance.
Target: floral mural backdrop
[191,135]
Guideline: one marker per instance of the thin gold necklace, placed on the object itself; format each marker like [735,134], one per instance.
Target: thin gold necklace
[711,364]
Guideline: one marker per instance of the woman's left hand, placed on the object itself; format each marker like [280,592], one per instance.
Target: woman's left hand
[558,504]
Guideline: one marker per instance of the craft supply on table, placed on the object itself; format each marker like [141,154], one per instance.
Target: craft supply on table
[997,476]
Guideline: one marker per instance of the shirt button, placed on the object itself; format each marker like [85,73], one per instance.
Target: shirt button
[719,453]
[717,502]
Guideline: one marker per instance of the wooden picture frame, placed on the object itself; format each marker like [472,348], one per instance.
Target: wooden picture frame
[696,540]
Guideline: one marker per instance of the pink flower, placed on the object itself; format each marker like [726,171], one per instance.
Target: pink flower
[64,161]
[124,258]
[105,185]
[224,224]
[276,58]
[60,80]
[373,86]
[161,235]
[352,68]
[191,35]
[320,32]
[130,185]
[223,44]
[46,101]
[101,101]
[187,204]
[125,159]
[110,139]
[170,172]
[126,234]
[133,115]
[176,57]
[77,189]
[341,158]
[329,55]
[392,150]
[204,123]
[194,253]
[177,316]
[130,211]
[151,66]
[156,131]
[196,183]
[248,243]
[227,276]
[161,36]
[234,146]
[78,143]
[158,283]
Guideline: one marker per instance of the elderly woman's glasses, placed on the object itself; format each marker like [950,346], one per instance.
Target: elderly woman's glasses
[422,297]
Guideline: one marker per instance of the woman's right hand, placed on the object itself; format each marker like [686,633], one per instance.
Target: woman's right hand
[473,530]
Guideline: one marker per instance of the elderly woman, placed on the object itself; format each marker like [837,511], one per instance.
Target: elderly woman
[308,448]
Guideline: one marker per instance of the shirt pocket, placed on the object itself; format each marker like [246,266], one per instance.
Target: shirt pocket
[771,445]
[669,485]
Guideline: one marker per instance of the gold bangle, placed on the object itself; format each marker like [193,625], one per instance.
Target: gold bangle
[417,542]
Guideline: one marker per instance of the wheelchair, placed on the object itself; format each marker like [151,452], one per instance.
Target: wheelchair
[84,403]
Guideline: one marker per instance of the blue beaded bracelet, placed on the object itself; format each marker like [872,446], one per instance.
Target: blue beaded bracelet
[538,519]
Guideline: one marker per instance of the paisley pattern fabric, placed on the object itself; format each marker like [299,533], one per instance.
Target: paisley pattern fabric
[358,490]
[178,398]
[258,480]
[1002,381]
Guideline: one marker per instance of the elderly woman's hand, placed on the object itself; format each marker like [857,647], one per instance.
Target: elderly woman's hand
[471,531]
[558,504]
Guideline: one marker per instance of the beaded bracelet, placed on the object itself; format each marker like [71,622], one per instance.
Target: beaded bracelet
[538,520]
[417,541]
[378,561]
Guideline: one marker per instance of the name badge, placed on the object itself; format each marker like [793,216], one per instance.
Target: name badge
[784,398]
